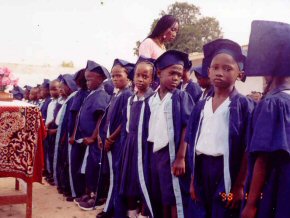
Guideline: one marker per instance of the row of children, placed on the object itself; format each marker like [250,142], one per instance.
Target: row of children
[176,151]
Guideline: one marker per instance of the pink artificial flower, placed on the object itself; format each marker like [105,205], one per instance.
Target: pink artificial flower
[2,71]
[6,71]
[15,82]
[6,81]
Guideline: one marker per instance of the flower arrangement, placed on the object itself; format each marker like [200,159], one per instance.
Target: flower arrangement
[7,78]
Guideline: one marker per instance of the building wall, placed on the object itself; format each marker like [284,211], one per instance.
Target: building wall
[251,83]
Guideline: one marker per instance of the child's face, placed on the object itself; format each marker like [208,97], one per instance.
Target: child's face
[54,89]
[119,77]
[44,92]
[143,76]
[27,94]
[64,90]
[203,82]
[94,79]
[170,77]
[33,94]
[224,71]
[39,96]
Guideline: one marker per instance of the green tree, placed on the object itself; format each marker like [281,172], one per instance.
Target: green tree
[195,30]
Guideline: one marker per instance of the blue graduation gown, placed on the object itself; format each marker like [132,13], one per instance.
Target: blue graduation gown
[194,91]
[240,116]
[60,163]
[271,134]
[89,113]
[134,172]
[116,119]
[44,107]
[177,118]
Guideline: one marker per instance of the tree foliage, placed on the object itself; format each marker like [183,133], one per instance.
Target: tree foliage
[194,29]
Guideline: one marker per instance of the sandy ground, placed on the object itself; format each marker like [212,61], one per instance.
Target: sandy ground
[47,203]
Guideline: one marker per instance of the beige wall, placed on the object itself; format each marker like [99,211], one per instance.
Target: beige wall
[34,74]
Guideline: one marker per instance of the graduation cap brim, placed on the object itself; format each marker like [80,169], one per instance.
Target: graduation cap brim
[28,87]
[269,49]
[97,68]
[45,83]
[227,46]
[173,57]
[127,65]
[68,79]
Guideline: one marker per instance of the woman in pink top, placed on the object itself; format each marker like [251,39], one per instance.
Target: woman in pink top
[165,31]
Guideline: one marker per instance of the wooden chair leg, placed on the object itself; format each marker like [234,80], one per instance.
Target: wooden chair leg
[17,184]
[29,200]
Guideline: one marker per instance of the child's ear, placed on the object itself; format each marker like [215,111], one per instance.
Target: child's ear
[241,76]
[208,71]
[158,73]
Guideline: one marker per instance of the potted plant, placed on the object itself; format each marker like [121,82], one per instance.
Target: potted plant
[7,79]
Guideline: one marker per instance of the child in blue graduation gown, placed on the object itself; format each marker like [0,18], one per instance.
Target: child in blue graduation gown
[132,185]
[60,163]
[217,134]
[86,156]
[203,80]
[76,104]
[190,87]
[52,110]
[269,149]
[45,95]
[115,114]
[166,117]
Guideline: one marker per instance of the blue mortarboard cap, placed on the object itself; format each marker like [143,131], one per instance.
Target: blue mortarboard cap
[218,46]
[129,67]
[199,71]
[45,83]
[68,79]
[94,67]
[172,57]
[269,49]
[27,87]
[18,92]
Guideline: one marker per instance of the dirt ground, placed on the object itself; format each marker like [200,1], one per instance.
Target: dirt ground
[47,203]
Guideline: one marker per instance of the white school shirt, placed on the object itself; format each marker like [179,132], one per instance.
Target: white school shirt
[158,134]
[287,92]
[214,134]
[50,110]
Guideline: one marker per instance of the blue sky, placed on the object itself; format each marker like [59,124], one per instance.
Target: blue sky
[51,31]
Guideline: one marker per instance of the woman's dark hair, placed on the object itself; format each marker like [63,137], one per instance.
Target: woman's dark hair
[162,25]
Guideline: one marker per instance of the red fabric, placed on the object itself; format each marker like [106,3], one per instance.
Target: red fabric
[21,143]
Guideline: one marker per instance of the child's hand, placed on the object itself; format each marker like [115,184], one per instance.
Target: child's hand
[237,197]
[108,144]
[249,211]
[192,192]
[71,140]
[100,143]
[89,140]
[178,167]
[51,131]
